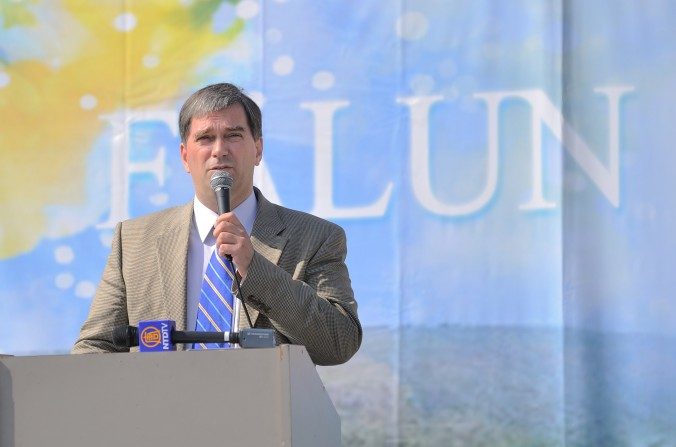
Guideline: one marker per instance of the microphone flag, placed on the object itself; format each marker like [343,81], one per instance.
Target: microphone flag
[155,335]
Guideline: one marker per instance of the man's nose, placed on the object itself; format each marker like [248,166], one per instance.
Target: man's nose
[220,147]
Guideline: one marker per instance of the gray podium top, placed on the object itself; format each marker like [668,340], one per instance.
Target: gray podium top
[237,397]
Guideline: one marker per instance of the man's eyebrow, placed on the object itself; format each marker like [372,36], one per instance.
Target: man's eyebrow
[201,132]
[210,129]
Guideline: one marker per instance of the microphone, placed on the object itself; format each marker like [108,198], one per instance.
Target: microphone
[161,335]
[125,336]
[221,182]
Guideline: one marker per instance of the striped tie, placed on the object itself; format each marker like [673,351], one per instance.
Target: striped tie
[214,311]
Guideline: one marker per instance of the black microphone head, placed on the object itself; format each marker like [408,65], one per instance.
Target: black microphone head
[220,180]
[125,336]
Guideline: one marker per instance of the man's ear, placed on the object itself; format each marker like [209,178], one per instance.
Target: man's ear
[184,158]
[259,150]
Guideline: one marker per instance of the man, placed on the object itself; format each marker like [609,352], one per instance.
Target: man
[292,265]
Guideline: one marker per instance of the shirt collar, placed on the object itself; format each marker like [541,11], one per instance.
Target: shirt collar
[205,217]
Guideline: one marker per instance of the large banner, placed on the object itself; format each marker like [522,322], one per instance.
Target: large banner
[503,170]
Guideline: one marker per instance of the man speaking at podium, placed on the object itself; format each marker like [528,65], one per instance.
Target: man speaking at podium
[291,264]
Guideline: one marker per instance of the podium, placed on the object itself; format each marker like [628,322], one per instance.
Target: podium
[237,397]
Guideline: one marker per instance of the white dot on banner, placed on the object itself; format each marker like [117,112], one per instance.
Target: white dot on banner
[283,65]
[4,79]
[85,289]
[55,63]
[159,199]
[88,102]
[258,98]
[422,84]
[64,280]
[151,61]
[125,22]
[412,26]
[273,35]
[64,254]
[323,80]
[247,9]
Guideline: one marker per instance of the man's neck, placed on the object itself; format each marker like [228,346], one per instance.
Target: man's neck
[212,204]
[205,216]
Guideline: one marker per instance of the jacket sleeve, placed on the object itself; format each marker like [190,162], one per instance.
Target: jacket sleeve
[109,307]
[315,305]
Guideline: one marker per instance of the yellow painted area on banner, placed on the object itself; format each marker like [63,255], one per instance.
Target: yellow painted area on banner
[130,54]
[16,13]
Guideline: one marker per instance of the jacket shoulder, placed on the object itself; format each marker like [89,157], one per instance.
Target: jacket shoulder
[302,221]
[160,220]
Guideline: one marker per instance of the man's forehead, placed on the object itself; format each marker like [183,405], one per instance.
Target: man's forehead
[230,117]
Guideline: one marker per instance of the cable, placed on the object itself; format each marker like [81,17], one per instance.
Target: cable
[239,290]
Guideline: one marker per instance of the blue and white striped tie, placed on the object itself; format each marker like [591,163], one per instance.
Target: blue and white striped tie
[214,311]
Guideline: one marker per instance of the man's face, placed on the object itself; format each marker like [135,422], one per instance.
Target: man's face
[221,141]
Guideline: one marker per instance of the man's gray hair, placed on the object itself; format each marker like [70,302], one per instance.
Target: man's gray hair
[213,98]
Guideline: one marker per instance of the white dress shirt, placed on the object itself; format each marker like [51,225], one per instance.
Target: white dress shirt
[201,246]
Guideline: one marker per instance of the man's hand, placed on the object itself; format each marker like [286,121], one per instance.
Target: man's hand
[232,239]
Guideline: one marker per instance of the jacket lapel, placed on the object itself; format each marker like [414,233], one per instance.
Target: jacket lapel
[267,239]
[172,257]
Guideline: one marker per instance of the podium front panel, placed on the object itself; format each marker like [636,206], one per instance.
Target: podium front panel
[236,397]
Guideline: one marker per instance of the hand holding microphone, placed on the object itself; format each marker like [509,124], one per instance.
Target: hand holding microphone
[232,240]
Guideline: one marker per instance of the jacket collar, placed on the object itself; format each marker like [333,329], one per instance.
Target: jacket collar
[267,233]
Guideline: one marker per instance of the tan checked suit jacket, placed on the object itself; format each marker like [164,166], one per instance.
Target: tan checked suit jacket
[297,282]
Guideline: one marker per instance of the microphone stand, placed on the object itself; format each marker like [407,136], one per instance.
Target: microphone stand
[237,304]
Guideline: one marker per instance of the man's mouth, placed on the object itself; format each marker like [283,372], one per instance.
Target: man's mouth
[221,168]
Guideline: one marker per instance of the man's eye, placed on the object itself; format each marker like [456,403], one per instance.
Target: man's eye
[234,136]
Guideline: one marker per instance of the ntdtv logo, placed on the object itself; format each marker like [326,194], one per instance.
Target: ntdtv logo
[151,337]
[156,335]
